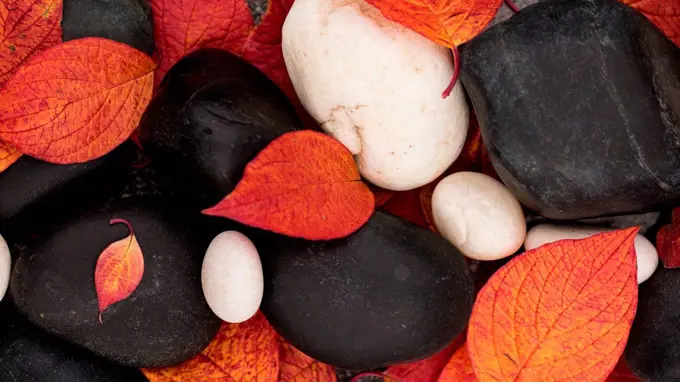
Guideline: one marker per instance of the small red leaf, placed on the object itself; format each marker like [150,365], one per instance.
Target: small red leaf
[8,155]
[427,370]
[304,184]
[76,101]
[296,366]
[119,270]
[668,242]
[459,368]
[406,205]
[26,27]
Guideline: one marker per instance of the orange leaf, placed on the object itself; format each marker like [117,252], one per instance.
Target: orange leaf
[76,101]
[560,312]
[119,270]
[243,352]
[298,367]
[668,241]
[8,155]
[26,27]
[183,26]
[665,14]
[427,370]
[459,368]
[446,22]
[303,184]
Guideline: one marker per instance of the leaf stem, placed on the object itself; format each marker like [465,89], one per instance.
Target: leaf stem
[367,374]
[512,6]
[123,221]
[456,73]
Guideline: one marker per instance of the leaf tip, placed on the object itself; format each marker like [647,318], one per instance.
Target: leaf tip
[123,221]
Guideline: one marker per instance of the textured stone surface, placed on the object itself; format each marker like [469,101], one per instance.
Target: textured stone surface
[164,321]
[126,21]
[390,293]
[579,101]
[28,354]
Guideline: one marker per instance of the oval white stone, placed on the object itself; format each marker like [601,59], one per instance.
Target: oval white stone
[478,215]
[5,267]
[376,87]
[232,277]
[647,257]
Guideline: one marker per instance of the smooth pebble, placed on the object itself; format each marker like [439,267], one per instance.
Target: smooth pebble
[232,277]
[478,215]
[647,257]
[5,266]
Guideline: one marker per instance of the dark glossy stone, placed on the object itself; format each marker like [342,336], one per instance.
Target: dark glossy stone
[390,293]
[28,354]
[653,349]
[126,21]
[36,194]
[579,105]
[164,321]
[213,114]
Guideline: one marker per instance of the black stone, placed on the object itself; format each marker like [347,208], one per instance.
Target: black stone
[36,194]
[579,106]
[164,321]
[28,354]
[126,21]
[213,114]
[653,349]
[390,293]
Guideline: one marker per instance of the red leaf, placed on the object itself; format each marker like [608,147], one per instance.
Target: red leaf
[243,352]
[26,27]
[622,373]
[668,242]
[298,367]
[459,368]
[380,195]
[304,184]
[119,270]
[406,205]
[427,370]
[8,155]
[76,101]
[665,14]
[562,311]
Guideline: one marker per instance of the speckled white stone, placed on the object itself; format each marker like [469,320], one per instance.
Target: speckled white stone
[478,215]
[5,266]
[647,257]
[232,277]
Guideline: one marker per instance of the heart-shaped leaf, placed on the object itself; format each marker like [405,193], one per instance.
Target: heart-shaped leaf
[76,101]
[303,184]
[562,311]
[119,270]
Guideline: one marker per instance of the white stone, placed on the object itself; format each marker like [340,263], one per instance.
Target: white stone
[647,257]
[232,277]
[377,88]
[5,267]
[478,215]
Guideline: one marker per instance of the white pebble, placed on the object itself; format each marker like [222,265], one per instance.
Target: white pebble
[5,266]
[478,215]
[647,257]
[232,277]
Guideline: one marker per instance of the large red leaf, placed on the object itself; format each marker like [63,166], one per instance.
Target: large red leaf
[26,27]
[304,184]
[119,270]
[76,101]
[562,311]
[245,352]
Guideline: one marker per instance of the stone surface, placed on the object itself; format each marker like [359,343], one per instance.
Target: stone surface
[392,292]
[653,349]
[647,257]
[579,103]
[164,321]
[5,266]
[126,21]
[232,277]
[376,86]
[35,194]
[477,214]
[28,354]
[213,114]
